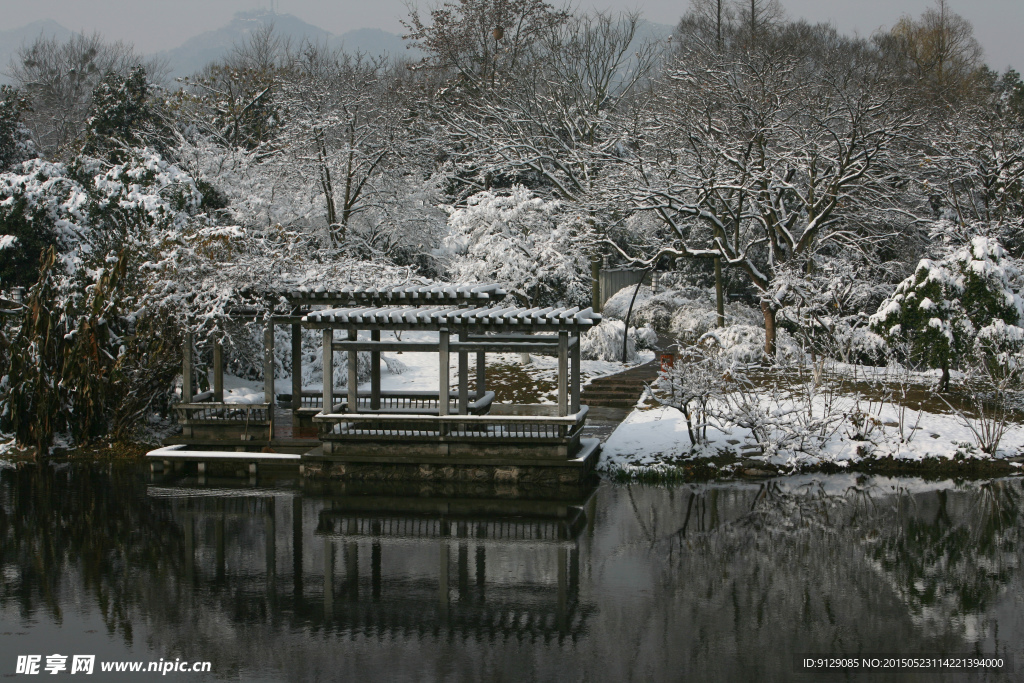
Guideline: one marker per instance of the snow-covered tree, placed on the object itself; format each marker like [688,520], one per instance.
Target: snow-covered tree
[528,245]
[15,138]
[946,305]
[59,79]
[771,156]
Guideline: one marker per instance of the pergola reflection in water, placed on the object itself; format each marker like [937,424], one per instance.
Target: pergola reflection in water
[355,559]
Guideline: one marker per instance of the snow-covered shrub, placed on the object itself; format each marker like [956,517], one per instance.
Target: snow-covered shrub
[941,307]
[695,385]
[604,341]
[683,312]
[694,319]
[744,344]
[533,247]
[649,309]
[646,337]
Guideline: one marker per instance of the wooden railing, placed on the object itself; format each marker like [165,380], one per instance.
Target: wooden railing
[525,427]
[208,412]
[405,402]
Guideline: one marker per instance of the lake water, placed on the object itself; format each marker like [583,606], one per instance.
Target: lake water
[278,579]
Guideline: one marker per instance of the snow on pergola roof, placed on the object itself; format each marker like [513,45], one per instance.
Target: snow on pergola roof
[489,317]
[406,295]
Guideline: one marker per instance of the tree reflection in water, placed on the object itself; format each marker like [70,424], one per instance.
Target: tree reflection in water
[632,582]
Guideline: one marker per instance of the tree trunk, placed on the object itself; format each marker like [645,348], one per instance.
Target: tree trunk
[719,292]
[769,329]
[944,382]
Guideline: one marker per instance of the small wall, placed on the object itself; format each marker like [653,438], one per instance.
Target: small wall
[614,279]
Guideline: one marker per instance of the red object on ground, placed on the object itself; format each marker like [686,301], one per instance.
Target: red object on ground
[667,360]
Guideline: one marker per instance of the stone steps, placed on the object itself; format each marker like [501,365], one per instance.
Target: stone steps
[621,390]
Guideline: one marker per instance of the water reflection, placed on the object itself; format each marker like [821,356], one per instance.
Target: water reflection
[389,559]
[290,580]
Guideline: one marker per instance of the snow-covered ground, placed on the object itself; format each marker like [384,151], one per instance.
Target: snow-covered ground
[656,437]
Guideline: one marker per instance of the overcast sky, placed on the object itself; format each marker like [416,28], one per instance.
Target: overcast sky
[155,25]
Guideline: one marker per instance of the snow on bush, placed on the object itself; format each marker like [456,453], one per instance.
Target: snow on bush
[744,344]
[604,341]
[684,313]
[940,308]
[532,247]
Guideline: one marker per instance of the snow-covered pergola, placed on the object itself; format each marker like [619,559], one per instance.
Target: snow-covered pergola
[439,426]
[472,430]
[206,418]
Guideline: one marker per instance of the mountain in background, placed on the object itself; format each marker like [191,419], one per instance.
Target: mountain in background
[200,50]
[12,40]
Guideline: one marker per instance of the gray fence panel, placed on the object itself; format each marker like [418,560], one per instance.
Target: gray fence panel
[614,279]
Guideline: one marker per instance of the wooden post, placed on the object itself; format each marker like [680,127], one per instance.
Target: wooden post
[187,388]
[563,373]
[442,397]
[481,374]
[328,406]
[719,293]
[296,371]
[268,372]
[463,378]
[574,388]
[353,379]
[268,363]
[375,373]
[218,371]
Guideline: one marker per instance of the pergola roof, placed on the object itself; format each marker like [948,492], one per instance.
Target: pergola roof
[488,317]
[404,295]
